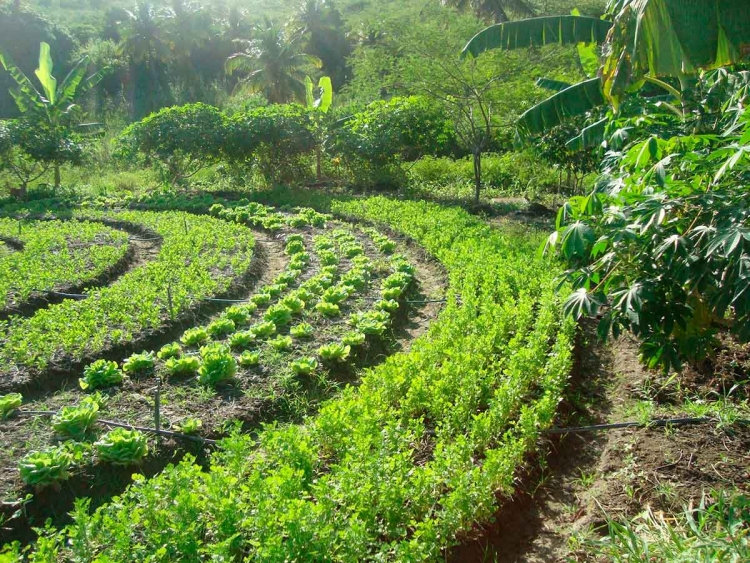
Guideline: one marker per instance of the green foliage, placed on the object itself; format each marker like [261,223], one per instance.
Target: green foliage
[282,343]
[712,531]
[188,365]
[190,426]
[240,315]
[249,359]
[264,330]
[101,373]
[122,447]
[47,467]
[221,328]
[9,404]
[169,351]
[275,138]
[56,255]
[279,314]
[76,422]
[243,339]
[328,309]
[333,353]
[195,337]
[302,331]
[183,139]
[139,363]
[261,299]
[662,240]
[304,366]
[196,264]
[218,366]
[373,141]
[353,339]
[489,375]
[294,304]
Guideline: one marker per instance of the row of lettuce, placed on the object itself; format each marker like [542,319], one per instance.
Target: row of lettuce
[396,469]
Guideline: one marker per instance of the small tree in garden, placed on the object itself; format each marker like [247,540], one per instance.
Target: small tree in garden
[51,112]
[319,108]
[28,150]
[185,140]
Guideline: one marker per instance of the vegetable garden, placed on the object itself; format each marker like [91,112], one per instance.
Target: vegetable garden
[274,332]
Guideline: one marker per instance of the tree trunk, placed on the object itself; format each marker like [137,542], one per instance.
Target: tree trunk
[58,180]
[477,176]
[319,158]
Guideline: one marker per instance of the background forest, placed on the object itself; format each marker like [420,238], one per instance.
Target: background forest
[243,55]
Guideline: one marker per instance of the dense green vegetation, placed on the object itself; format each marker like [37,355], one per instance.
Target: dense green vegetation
[54,255]
[233,142]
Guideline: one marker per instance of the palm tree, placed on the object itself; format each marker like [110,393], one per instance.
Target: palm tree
[323,28]
[146,45]
[496,10]
[274,64]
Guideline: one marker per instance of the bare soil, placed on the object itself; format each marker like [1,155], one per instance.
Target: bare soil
[586,478]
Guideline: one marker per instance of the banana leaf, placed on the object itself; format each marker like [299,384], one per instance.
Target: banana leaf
[534,32]
[572,101]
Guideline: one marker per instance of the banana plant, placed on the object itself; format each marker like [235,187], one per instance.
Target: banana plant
[319,107]
[53,106]
[646,41]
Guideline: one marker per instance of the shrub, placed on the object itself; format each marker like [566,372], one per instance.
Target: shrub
[372,142]
[75,422]
[275,138]
[139,363]
[45,468]
[122,447]
[101,373]
[9,404]
[183,139]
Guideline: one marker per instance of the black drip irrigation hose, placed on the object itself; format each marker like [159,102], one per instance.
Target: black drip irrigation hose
[660,422]
[114,424]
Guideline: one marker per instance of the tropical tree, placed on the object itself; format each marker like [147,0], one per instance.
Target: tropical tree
[645,41]
[52,111]
[145,42]
[319,108]
[323,28]
[273,64]
[495,10]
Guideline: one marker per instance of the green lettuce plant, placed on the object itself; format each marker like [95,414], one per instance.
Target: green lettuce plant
[76,422]
[139,363]
[195,337]
[101,373]
[304,366]
[122,447]
[9,404]
[187,365]
[47,467]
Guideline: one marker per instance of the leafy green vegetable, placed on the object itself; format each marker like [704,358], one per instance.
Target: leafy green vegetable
[122,447]
[101,373]
[46,467]
[76,422]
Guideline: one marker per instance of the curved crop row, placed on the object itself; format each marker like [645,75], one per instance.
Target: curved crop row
[393,470]
[55,255]
[199,257]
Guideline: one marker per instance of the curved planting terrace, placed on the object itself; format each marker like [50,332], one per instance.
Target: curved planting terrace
[53,257]
[396,465]
[199,257]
